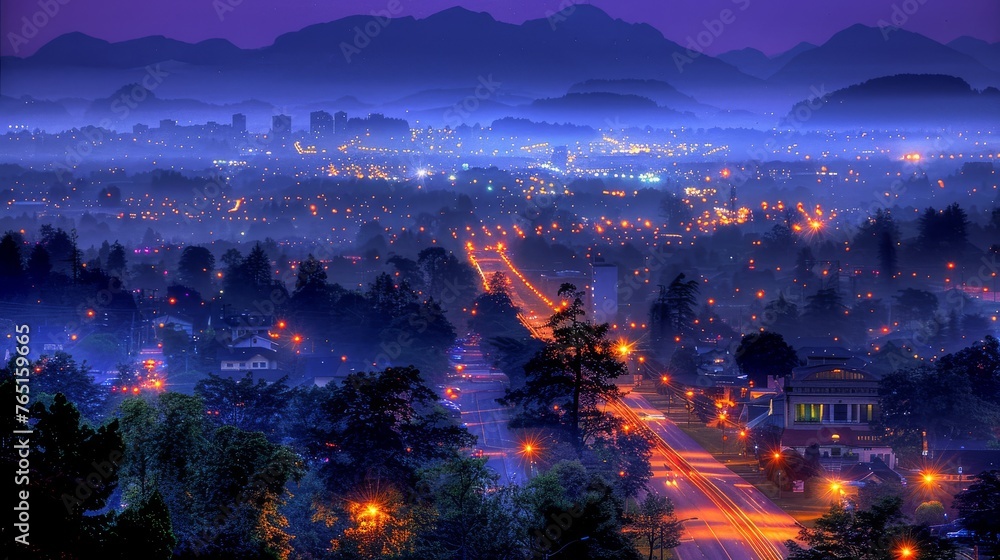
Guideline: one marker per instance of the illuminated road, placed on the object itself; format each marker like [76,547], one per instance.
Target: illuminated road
[535,308]
[735,520]
[487,420]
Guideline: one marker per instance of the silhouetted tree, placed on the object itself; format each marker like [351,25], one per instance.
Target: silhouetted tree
[13,275]
[60,373]
[943,231]
[39,265]
[888,262]
[762,354]
[143,531]
[254,407]
[655,524]
[196,268]
[72,477]
[383,427]
[979,507]
[915,305]
[877,533]
[673,312]
[569,379]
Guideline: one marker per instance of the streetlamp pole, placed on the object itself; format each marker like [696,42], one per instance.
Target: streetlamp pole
[722,424]
[777,460]
[689,406]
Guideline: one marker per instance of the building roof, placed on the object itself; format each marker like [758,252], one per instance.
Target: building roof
[971,461]
[252,320]
[250,336]
[875,471]
[832,352]
[831,372]
[175,318]
[828,435]
[243,354]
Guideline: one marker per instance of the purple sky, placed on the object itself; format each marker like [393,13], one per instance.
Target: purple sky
[769,25]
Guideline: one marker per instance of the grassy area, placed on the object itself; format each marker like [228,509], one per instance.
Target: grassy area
[804,507]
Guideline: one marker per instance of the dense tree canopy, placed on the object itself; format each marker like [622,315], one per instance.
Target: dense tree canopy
[382,426]
[979,507]
[876,533]
[958,397]
[569,379]
[760,355]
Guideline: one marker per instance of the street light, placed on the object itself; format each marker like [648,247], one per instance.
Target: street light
[777,459]
[665,380]
[529,449]
[550,555]
[722,424]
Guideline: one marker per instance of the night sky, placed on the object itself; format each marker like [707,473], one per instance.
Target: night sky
[769,25]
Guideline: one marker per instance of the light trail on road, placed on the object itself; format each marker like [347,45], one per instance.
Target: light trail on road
[747,536]
[752,535]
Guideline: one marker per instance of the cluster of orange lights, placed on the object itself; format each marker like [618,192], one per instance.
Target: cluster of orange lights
[540,295]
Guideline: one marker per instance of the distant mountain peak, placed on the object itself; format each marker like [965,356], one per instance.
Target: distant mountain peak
[460,12]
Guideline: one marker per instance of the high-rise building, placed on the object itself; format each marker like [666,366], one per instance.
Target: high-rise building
[604,292]
[168,123]
[320,123]
[239,122]
[281,126]
[560,158]
[340,122]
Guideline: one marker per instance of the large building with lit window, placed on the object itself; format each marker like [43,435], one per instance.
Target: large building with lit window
[603,292]
[829,405]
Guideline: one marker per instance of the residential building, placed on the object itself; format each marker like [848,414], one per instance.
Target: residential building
[320,123]
[340,122]
[829,405]
[604,292]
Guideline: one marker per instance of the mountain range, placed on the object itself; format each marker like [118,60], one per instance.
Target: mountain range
[407,66]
